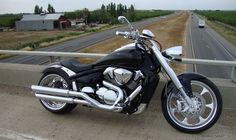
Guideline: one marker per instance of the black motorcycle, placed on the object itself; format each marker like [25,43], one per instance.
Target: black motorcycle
[125,81]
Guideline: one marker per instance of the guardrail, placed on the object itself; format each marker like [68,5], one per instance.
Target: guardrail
[94,55]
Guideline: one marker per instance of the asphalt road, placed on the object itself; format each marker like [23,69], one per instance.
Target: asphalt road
[23,118]
[208,44]
[80,43]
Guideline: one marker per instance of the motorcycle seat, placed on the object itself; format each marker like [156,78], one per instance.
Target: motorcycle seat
[76,66]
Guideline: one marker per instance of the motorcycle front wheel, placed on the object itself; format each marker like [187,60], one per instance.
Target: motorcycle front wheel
[206,109]
[56,80]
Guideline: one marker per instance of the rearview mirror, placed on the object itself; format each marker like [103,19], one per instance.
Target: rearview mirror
[122,19]
[176,51]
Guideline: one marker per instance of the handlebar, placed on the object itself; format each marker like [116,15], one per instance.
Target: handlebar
[122,33]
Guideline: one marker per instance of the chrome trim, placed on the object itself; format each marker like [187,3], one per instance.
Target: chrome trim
[55,66]
[122,76]
[148,33]
[138,74]
[74,87]
[175,51]
[68,93]
[126,47]
[68,71]
[109,71]
[169,71]
[141,108]
[62,99]
[87,90]
[134,94]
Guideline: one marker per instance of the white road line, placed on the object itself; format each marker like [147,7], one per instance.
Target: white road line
[191,41]
[13,135]
[220,44]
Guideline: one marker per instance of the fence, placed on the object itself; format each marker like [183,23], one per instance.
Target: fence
[51,55]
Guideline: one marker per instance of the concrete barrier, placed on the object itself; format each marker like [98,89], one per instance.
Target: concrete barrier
[26,75]
[20,74]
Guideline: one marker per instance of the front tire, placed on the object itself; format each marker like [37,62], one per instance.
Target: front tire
[57,80]
[207,110]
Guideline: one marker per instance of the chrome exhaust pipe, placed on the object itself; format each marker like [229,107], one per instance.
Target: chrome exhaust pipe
[57,94]
[62,99]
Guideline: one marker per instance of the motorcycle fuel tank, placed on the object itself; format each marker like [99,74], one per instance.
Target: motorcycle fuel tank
[130,57]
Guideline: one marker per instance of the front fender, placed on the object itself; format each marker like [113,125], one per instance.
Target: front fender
[185,79]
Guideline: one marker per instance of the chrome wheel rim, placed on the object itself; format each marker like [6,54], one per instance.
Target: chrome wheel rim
[53,80]
[203,112]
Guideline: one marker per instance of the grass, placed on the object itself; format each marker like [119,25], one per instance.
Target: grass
[228,17]
[170,32]
[8,20]
[38,39]
[142,14]
[32,40]
[227,33]
[19,40]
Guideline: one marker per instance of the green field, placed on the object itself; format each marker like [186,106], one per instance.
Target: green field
[228,17]
[142,14]
[8,20]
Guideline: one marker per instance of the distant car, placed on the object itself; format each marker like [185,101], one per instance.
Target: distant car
[201,23]
[163,17]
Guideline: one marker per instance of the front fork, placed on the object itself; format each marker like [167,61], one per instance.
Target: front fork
[170,72]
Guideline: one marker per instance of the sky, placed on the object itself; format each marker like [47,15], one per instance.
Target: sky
[27,6]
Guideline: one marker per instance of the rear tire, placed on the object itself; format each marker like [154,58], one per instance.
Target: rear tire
[174,116]
[58,80]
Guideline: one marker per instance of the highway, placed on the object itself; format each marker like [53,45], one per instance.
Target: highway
[204,43]
[80,43]
[208,44]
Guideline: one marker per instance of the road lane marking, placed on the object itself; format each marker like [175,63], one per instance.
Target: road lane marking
[13,135]
[191,41]
[220,44]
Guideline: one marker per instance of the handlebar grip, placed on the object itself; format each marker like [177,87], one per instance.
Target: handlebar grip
[122,33]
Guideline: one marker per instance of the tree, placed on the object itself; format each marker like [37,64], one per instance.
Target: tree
[120,10]
[86,15]
[50,9]
[103,7]
[36,9]
[40,10]
[131,13]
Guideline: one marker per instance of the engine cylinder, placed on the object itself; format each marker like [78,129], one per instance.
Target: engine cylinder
[108,96]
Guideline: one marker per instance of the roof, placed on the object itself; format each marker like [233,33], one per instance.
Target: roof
[41,17]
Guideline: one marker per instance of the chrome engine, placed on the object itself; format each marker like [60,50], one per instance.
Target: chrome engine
[121,76]
[108,96]
[118,77]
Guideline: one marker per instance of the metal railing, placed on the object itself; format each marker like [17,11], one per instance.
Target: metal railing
[51,55]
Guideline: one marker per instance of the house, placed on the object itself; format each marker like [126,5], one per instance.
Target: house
[4,29]
[42,22]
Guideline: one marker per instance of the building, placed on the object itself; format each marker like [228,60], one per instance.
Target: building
[42,22]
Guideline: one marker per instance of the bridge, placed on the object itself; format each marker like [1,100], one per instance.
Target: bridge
[22,116]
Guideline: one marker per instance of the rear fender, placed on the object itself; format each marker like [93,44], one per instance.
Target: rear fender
[57,67]
[185,79]
[61,70]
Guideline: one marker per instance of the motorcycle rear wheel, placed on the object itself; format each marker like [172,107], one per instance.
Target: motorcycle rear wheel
[58,81]
[208,107]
